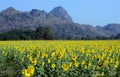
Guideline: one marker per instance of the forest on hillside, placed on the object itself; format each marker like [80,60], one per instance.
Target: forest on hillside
[44,33]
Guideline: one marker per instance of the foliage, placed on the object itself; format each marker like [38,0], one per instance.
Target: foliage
[44,33]
[60,58]
[117,36]
[20,34]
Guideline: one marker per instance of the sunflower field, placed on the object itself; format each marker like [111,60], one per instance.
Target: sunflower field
[60,58]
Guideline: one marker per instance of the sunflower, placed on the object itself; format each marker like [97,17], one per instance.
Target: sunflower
[74,57]
[105,63]
[53,65]
[34,61]
[29,71]
[83,62]
[49,60]
[65,67]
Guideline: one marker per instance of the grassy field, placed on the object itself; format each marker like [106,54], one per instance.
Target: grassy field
[60,58]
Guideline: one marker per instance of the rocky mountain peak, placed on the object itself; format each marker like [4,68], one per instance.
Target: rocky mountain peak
[9,10]
[111,26]
[35,12]
[60,12]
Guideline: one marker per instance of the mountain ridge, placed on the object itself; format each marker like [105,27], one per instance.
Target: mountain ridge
[57,19]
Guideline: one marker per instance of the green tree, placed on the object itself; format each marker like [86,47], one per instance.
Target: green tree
[44,33]
[48,34]
[117,36]
[40,32]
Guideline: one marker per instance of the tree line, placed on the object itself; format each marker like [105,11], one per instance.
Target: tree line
[41,33]
[44,33]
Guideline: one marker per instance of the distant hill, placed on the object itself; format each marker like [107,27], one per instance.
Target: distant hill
[57,19]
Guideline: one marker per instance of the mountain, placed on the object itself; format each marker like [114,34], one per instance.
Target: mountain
[112,29]
[61,13]
[57,19]
[9,10]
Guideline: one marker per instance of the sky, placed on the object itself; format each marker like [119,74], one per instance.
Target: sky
[93,12]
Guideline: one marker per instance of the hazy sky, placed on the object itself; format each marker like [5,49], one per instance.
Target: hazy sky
[94,12]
